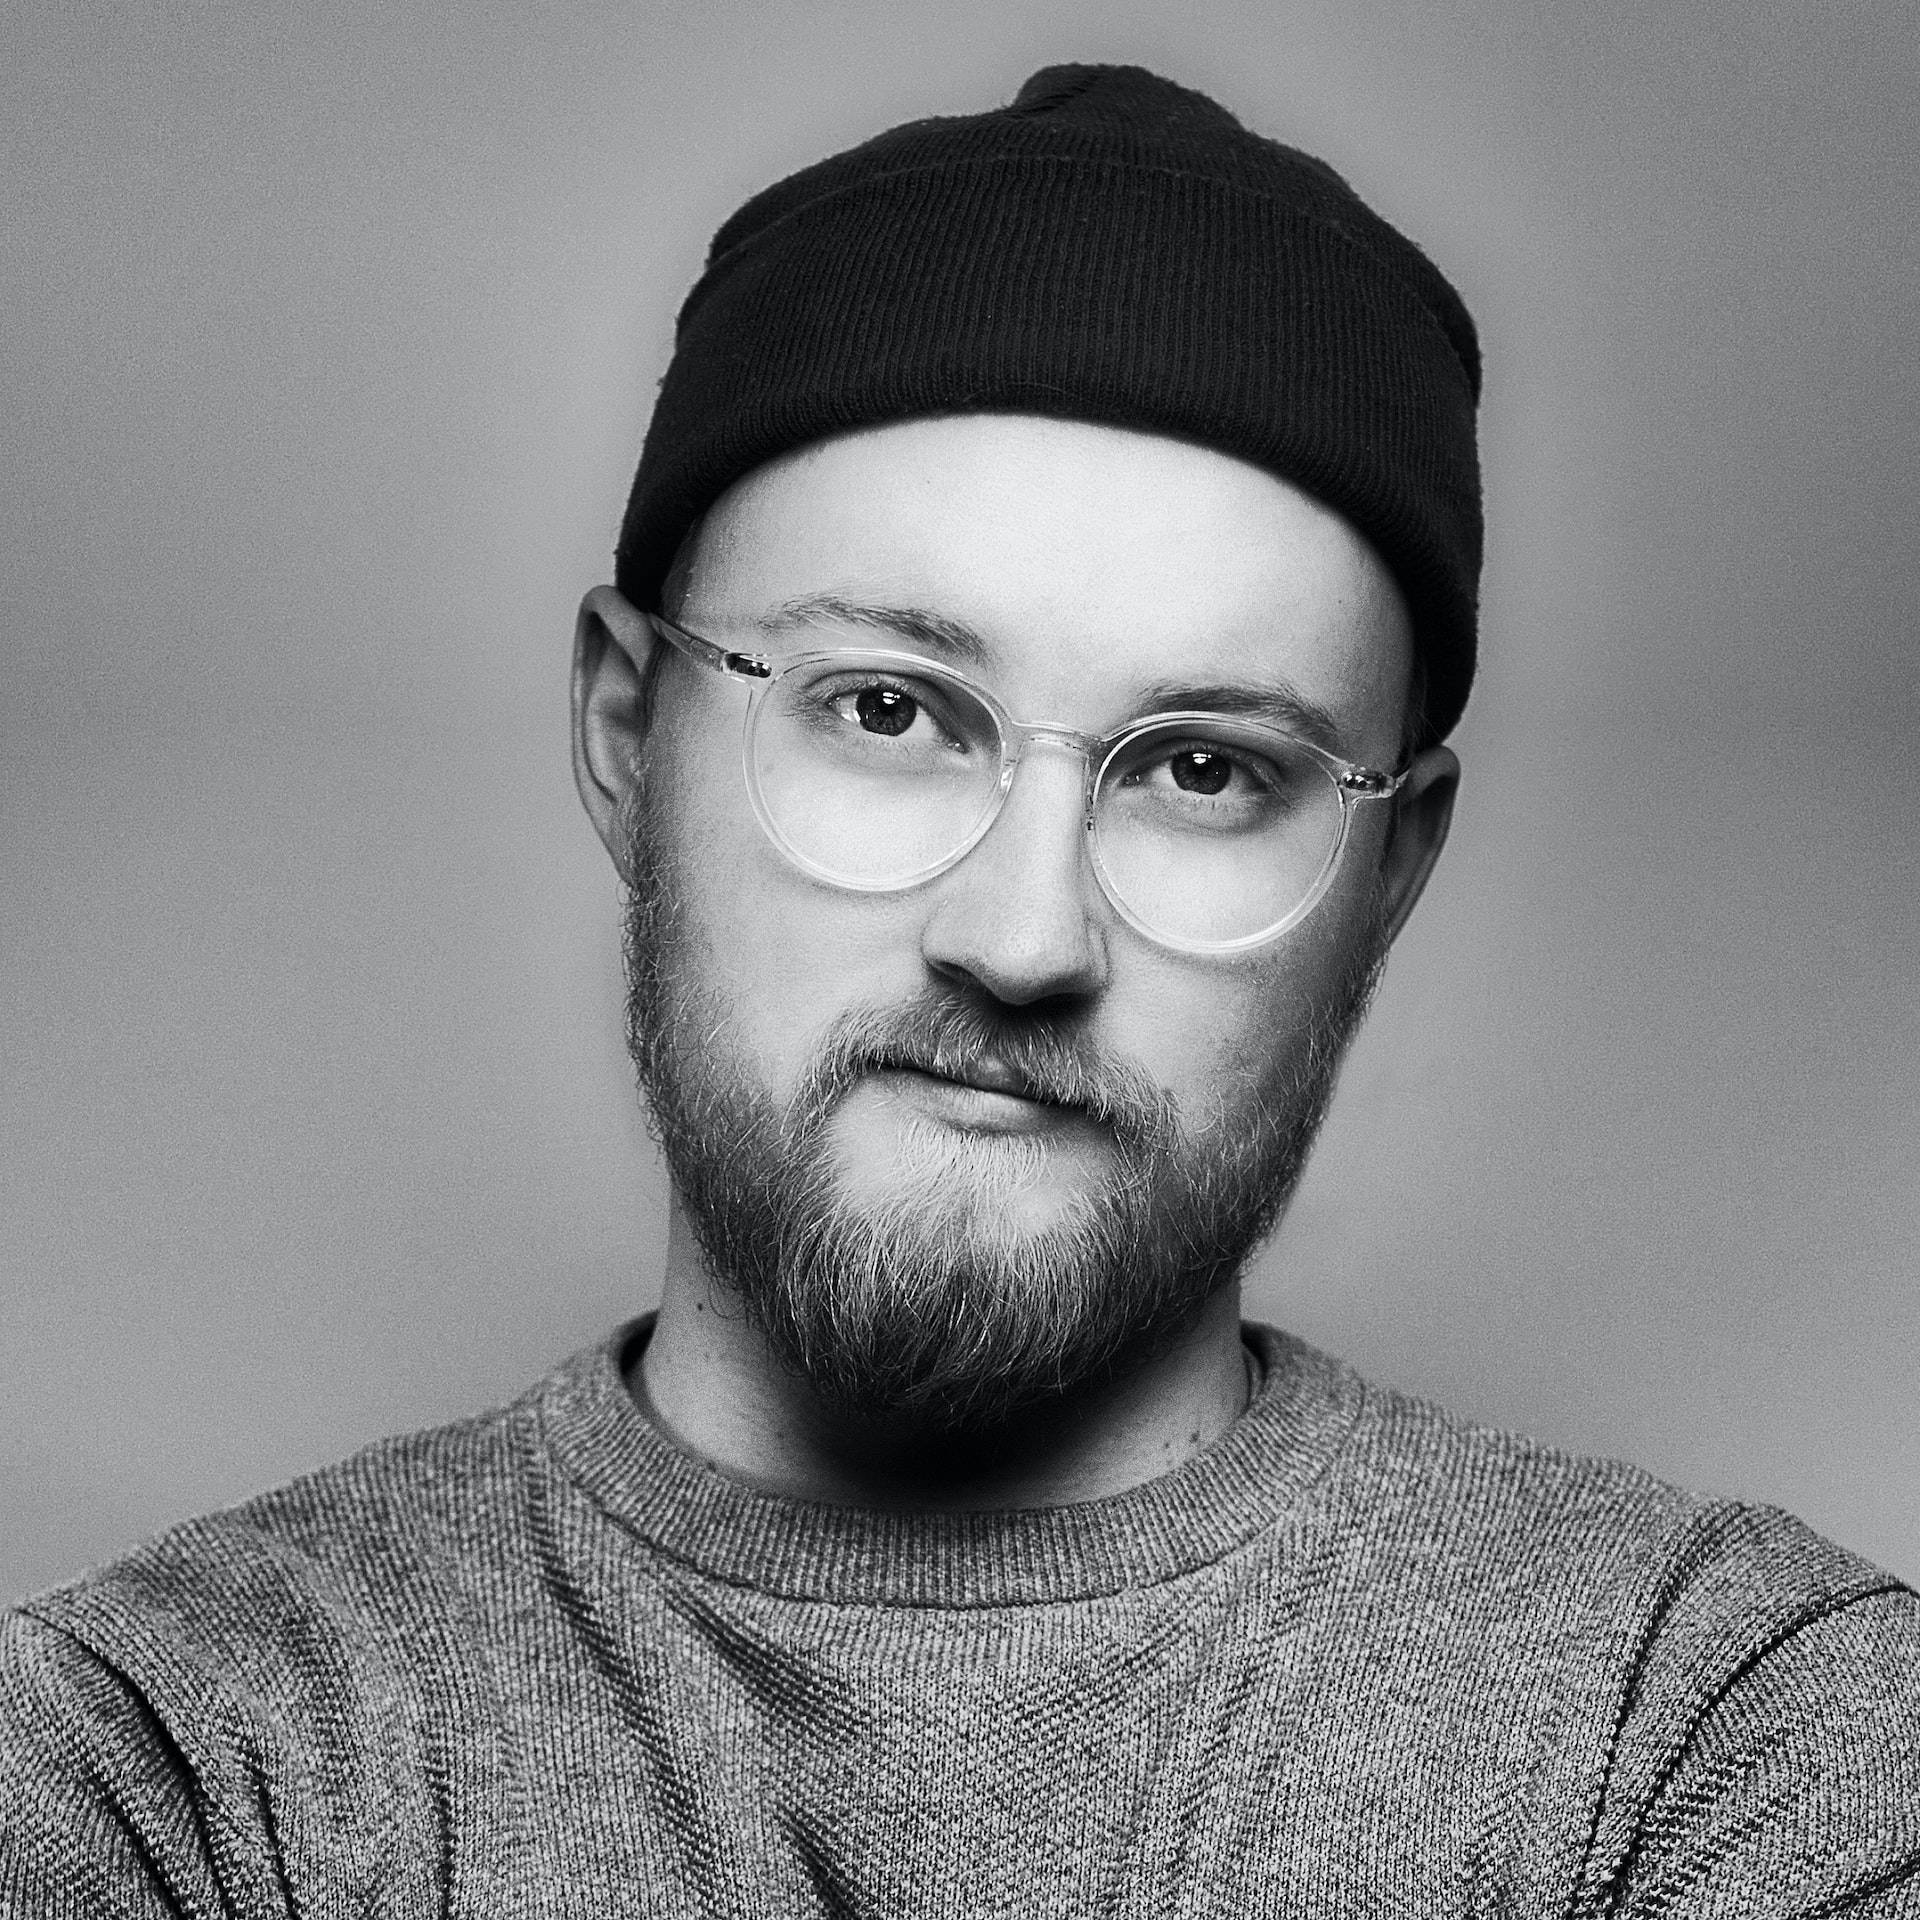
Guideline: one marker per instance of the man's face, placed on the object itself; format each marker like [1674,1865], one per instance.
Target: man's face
[962,1145]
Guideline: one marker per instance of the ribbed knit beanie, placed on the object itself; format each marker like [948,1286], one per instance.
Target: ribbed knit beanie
[1112,248]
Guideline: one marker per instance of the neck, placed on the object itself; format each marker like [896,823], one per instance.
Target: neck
[708,1381]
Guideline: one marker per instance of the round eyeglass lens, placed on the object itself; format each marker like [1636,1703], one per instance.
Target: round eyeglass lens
[1216,834]
[869,775]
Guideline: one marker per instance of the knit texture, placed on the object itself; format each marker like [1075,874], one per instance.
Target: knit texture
[1113,248]
[1354,1659]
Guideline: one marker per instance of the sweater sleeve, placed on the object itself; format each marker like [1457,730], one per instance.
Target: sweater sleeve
[97,1815]
[1794,1788]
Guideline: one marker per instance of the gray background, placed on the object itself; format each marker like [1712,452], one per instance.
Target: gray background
[328,339]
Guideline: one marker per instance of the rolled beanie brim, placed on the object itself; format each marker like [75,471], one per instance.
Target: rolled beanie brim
[1121,287]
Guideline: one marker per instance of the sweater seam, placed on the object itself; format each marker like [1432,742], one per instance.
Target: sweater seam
[208,1808]
[893,1603]
[584,1490]
[1715,1512]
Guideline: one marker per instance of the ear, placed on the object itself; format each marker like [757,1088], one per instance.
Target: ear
[1422,812]
[614,653]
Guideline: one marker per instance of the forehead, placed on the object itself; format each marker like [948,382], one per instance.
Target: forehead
[1091,561]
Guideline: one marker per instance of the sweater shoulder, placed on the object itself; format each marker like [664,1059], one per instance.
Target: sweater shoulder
[1714,1673]
[364,1555]
[319,1649]
[1505,1513]
[325,1648]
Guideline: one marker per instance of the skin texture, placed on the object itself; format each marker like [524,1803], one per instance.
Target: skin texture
[1095,563]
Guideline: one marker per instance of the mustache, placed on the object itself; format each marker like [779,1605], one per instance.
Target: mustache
[955,1040]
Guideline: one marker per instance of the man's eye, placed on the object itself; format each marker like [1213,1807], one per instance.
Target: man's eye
[1210,772]
[1199,770]
[874,716]
[881,710]
[885,710]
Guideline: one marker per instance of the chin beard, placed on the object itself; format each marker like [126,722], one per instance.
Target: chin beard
[925,1310]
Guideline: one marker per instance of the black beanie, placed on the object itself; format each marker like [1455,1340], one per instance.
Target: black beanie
[1112,248]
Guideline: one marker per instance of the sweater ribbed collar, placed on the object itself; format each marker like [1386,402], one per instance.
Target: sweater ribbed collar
[1252,1478]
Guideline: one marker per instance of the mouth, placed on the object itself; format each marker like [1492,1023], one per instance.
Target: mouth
[984,1096]
[992,1076]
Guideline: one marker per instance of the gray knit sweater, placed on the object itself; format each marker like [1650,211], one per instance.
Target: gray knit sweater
[1355,1659]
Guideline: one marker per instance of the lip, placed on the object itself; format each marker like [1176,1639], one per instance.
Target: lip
[987,1100]
[990,1076]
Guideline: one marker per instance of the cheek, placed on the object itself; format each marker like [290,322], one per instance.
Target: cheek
[1207,1031]
[779,953]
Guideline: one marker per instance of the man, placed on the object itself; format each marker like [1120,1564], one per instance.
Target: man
[1018,720]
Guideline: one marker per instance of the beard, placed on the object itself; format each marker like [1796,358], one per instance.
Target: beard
[926,1309]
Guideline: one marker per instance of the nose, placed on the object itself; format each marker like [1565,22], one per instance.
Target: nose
[1022,917]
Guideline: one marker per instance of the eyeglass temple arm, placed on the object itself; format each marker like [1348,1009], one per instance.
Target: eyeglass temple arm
[741,666]
[1368,783]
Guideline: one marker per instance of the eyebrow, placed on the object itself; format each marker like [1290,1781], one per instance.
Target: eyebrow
[934,631]
[1274,702]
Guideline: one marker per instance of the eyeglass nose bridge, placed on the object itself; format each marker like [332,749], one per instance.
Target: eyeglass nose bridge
[1019,735]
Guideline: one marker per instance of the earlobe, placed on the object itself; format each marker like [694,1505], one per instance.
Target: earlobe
[1423,811]
[613,659]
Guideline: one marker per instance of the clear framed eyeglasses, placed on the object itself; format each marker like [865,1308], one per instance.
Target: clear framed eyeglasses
[875,770]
